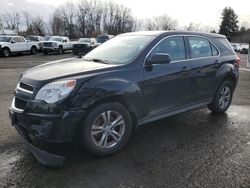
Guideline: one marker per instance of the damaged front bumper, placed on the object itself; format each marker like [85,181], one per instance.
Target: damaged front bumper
[53,126]
[43,157]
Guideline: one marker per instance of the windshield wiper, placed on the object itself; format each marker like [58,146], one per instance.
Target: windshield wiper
[98,61]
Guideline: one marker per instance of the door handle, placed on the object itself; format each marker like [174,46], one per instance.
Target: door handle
[185,71]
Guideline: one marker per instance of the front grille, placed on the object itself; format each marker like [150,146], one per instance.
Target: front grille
[25,86]
[47,44]
[19,103]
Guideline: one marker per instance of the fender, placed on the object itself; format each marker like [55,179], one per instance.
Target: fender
[112,90]
[227,70]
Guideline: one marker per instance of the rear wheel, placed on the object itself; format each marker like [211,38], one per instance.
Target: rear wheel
[223,98]
[33,50]
[107,129]
[6,52]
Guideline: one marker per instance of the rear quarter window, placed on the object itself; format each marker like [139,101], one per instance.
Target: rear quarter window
[224,46]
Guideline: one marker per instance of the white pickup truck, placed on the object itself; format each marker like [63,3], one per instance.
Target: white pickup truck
[57,44]
[17,44]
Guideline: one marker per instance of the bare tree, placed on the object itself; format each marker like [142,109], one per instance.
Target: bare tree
[68,15]
[193,27]
[162,22]
[12,20]
[57,24]
[38,26]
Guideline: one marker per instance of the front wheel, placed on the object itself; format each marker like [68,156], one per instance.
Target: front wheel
[107,129]
[223,98]
[6,52]
[60,50]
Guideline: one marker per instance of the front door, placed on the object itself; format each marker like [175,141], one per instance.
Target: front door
[167,86]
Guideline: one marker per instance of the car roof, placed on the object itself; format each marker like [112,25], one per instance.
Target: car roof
[10,36]
[158,33]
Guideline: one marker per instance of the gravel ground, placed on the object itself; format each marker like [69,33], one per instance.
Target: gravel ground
[192,149]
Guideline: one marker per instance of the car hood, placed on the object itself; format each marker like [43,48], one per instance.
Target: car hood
[64,68]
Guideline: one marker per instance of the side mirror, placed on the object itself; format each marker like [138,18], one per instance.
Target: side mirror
[13,41]
[64,40]
[158,58]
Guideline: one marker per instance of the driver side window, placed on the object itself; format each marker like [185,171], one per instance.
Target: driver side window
[173,46]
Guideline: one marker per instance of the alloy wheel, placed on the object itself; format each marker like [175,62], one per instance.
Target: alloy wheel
[108,129]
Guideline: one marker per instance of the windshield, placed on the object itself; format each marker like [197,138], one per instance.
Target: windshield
[119,50]
[32,38]
[84,40]
[59,39]
[5,39]
[102,39]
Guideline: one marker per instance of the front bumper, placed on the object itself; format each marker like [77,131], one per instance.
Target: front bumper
[50,49]
[45,123]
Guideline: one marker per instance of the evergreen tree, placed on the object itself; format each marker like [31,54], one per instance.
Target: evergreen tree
[229,24]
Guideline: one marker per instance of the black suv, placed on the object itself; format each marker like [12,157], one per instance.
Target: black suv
[132,79]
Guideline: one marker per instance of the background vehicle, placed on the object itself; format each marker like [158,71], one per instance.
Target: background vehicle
[130,80]
[57,44]
[103,38]
[84,45]
[17,44]
[244,48]
[236,47]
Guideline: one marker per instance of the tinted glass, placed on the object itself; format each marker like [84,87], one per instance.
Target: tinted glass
[215,52]
[225,46]
[120,50]
[5,39]
[173,46]
[21,39]
[199,47]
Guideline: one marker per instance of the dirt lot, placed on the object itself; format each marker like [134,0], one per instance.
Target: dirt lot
[193,149]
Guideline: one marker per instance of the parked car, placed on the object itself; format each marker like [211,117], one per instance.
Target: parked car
[84,45]
[236,47]
[103,38]
[244,48]
[57,44]
[17,44]
[130,80]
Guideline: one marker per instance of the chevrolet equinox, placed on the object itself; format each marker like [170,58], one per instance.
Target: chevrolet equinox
[130,80]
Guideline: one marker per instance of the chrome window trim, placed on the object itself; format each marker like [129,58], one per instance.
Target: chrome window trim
[188,59]
[14,108]
[24,90]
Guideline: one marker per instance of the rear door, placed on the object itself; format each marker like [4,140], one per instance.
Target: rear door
[167,86]
[204,62]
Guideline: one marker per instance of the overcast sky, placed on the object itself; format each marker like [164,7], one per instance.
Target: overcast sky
[207,13]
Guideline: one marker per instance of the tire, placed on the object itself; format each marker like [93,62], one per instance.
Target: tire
[33,50]
[60,50]
[98,137]
[222,98]
[6,52]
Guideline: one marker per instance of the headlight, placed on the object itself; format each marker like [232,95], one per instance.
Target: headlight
[56,91]
[54,44]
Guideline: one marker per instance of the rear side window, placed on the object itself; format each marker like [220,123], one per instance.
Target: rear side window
[199,47]
[173,46]
[225,46]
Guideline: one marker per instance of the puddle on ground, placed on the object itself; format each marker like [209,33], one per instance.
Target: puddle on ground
[7,161]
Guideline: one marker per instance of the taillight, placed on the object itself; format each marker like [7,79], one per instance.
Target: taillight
[238,61]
